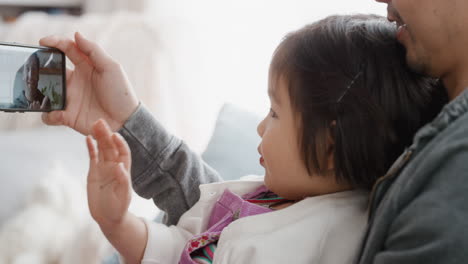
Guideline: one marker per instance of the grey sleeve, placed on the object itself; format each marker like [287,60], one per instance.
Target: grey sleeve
[432,223]
[163,167]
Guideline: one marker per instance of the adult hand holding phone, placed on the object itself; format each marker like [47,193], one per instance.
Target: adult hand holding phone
[96,88]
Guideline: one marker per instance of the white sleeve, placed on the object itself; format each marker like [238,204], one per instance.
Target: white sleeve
[165,244]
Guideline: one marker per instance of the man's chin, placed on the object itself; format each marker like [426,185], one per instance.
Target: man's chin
[419,61]
[417,65]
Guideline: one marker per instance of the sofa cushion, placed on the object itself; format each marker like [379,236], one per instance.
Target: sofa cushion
[232,149]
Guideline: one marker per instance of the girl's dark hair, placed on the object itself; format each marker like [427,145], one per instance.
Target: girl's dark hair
[348,80]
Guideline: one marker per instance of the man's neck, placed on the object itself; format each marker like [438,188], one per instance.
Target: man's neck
[456,82]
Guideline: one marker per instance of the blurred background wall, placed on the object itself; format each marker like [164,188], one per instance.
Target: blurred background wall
[204,53]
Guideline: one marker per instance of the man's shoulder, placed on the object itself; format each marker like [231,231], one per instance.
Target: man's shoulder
[449,140]
[20,101]
[457,129]
[441,165]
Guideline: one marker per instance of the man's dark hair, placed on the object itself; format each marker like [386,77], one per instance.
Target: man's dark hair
[33,58]
[348,80]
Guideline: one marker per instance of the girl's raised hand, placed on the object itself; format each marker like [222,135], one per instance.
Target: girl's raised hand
[109,188]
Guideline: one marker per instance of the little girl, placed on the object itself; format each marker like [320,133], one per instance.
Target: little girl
[343,106]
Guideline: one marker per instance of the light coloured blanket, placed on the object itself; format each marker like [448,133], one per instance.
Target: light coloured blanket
[54,226]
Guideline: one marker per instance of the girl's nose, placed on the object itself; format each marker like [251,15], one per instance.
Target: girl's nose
[261,128]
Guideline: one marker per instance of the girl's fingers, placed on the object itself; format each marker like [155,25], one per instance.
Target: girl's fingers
[123,150]
[106,146]
[66,45]
[98,57]
[122,186]
[91,150]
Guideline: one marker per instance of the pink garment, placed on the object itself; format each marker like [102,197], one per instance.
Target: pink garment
[227,209]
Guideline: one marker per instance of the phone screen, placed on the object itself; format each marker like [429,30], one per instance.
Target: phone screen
[31,78]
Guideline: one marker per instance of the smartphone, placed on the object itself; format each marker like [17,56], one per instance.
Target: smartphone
[32,78]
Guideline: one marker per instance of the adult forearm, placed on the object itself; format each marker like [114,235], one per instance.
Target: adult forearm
[128,237]
[163,167]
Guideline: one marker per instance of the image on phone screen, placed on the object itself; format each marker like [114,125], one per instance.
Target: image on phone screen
[31,78]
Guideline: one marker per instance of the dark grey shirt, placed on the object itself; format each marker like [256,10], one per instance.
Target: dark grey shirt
[163,167]
[21,102]
[419,210]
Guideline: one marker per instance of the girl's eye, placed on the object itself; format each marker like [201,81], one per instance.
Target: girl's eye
[273,114]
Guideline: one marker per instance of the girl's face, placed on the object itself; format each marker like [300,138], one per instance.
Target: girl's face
[285,171]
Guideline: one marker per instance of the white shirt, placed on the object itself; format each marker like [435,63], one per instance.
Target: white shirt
[321,229]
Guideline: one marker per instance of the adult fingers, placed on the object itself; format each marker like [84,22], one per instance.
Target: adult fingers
[54,118]
[45,101]
[35,105]
[66,45]
[98,57]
